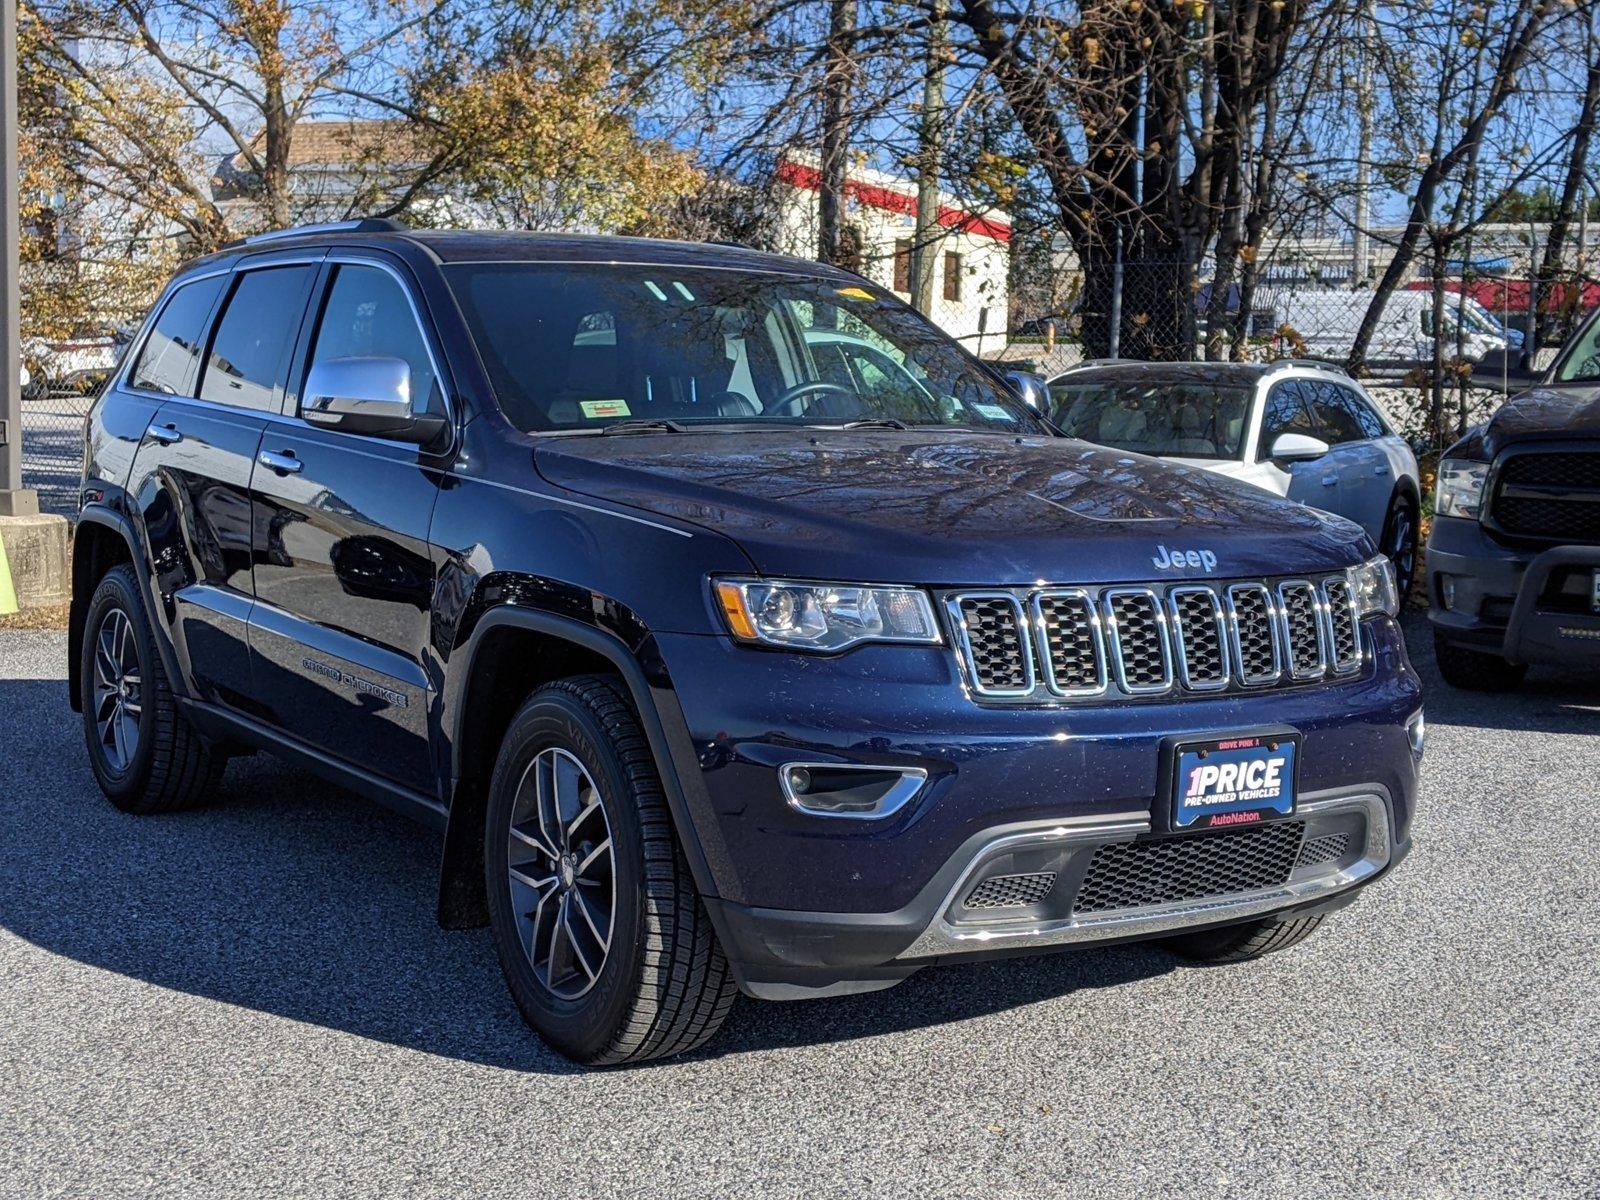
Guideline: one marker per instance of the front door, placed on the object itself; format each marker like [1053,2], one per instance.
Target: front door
[344,573]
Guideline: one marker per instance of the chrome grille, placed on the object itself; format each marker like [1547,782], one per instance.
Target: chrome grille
[1055,644]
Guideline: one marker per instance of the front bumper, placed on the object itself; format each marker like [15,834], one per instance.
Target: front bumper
[1334,845]
[806,903]
[1526,606]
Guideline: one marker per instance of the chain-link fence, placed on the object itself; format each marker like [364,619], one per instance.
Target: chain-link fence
[77,319]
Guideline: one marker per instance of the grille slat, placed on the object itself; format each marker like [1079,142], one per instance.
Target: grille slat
[1302,628]
[999,655]
[1255,634]
[1138,640]
[1073,643]
[1200,631]
[1173,870]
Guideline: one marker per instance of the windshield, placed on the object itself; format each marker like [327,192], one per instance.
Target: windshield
[585,347]
[1580,362]
[1188,420]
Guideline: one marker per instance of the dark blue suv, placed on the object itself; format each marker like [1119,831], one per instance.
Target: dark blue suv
[736,628]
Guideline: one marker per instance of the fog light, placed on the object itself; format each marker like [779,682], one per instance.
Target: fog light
[1447,591]
[849,790]
[1417,733]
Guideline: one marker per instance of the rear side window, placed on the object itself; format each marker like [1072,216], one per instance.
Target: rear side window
[169,355]
[1334,412]
[250,350]
[1371,424]
[367,315]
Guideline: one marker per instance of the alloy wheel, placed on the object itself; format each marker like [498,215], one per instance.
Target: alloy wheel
[562,873]
[118,690]
[1402,547]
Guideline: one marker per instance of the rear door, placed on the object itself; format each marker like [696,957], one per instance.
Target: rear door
[344,573]
[191,476]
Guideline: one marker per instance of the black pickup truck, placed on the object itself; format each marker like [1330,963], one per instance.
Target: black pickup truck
[1514,556]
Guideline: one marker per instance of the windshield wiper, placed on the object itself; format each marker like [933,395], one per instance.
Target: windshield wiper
[658,425]
[873,423]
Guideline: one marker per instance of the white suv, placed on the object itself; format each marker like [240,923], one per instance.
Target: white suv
[1298,429]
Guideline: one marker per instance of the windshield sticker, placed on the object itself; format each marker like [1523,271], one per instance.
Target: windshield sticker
[993,411]
[597,409]
[854,293]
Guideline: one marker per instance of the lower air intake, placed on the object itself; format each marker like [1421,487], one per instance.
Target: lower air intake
[1173,870]
[1012,891]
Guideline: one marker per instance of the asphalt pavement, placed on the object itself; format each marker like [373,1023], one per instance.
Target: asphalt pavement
[254,1000]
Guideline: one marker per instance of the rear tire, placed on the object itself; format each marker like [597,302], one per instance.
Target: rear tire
[1476,670]
[145,755]
[1400,543]
[1239,943]
[604,941]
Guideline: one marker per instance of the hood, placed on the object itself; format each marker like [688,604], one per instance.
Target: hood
[1545,414]
[952,509]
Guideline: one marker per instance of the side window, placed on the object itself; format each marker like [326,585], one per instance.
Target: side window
[367,315]
[1334,414]
[250,350]
[1371,424]
[172,350]
[1286,412]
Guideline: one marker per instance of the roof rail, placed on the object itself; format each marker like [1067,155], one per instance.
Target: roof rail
[1319,364]
[364,225]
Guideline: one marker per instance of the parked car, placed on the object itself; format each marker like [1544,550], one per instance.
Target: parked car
[1304,430]
[715,668]
[71,366]
[1327,322]
[1514,552]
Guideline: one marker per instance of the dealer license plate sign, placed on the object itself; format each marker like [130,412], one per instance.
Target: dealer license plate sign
[1594,591]
[1239,780]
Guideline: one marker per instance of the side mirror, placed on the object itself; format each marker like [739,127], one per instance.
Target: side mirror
[1298,447]
[1507,366]
[367,395]
[1030,389]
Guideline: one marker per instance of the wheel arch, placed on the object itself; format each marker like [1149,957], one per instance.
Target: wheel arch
[102,540]
[511,651]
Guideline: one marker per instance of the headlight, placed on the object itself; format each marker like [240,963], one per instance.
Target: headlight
[1460,488]
[1372,587]
[824,616]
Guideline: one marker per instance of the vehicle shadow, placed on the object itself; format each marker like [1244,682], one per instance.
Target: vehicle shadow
[292,897]
[1549,701]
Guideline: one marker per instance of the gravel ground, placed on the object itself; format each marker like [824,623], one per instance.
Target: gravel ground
[254,1000]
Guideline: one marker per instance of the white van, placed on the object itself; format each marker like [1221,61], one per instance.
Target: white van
[1328,322]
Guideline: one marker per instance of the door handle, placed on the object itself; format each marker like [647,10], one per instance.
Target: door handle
[1329,480]
[284,464]
[165,434]
[1381,469]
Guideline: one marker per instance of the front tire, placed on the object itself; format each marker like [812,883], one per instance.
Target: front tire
[1240,943]
[604,941]
[145,755]
[1476,670]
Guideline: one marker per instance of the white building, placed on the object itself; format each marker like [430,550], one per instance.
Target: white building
[973,254]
